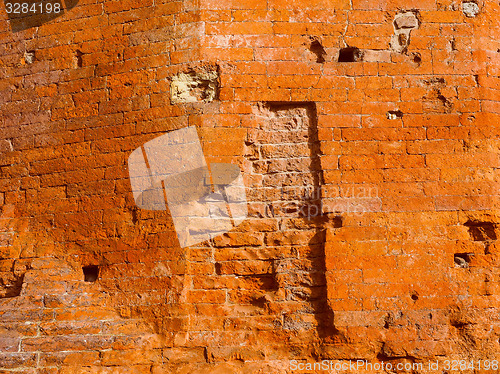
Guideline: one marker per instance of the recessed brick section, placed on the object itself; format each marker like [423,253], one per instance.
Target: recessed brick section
[282,167]
[283,155]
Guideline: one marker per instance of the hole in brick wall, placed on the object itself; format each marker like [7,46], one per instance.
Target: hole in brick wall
[416,58]
[29,57]
[414,296]
[317,48]
[218,268]
[394,114]
[90,273]
[78,58]
[260,300]
[403,39]
[462,260]
[11,286]
[337,222]
[135,215]
[481,231]
[350,54]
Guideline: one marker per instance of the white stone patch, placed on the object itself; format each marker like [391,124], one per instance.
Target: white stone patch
[470,9]
[194,86]
[404,23]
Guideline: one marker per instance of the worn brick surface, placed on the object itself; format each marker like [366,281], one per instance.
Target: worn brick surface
[367,133]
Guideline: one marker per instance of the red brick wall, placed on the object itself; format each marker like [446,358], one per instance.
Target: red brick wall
[372,186]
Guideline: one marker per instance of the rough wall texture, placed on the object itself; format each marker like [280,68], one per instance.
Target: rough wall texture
[367,134]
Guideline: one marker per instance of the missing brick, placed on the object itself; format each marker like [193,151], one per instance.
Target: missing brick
[350,54]
[481,231]
[394,114]
[195,85]
[11,285]
[78,59]
[90,273]
[317,48]
[260,300]
[462,260]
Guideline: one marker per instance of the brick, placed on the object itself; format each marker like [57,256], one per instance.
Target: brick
[60,344]
[16,360]
[366,16]
[68,358]
[206,296]
[236,28]
[116,358]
